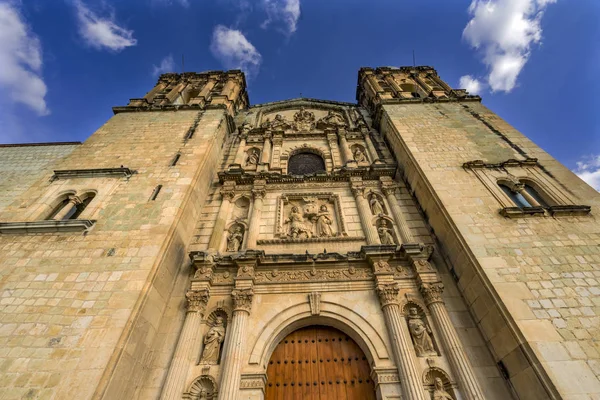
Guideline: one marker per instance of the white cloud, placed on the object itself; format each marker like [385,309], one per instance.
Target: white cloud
[21,61]
[231,47]
[505,31]
[472,85]
[184,3]
[589,171]
[282,12]
[166,65]
[102,32]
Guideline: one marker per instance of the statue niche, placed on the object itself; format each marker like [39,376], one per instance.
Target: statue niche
[213,340]
[438,384]
[235,238]
[385,231]
[376,205]
[359,154]
[420,333]
[309,218]
[253,157]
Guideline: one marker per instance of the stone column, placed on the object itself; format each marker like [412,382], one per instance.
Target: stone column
[432,293]
[370,147]
[520,189]
[410,378]
[265,156]
[227,194]
[364,212]
[184,358]
[234,348]
[348,158]
[389,190]
[74,201]
[335,149]
[239,156]
[258,194]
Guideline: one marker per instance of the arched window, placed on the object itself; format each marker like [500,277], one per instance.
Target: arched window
[305,163]
[516,197]
[71,207]
[533,192]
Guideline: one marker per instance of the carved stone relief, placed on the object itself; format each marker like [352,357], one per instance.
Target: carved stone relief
[314,275]
[309,216]
[304,120]
[376,204]
[438,384]
[252,157]
[359,154]
[203,388]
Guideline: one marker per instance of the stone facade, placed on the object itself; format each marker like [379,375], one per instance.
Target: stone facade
[168,255]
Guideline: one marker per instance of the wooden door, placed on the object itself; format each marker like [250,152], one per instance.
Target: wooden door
[319,363]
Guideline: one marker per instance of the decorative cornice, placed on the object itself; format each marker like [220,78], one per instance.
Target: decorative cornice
[197,300]
[432,292]
[91,173]
[528,162]
[242,299]
[46,226]
[388,294]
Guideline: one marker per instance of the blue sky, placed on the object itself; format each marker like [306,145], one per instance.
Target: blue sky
[64,64]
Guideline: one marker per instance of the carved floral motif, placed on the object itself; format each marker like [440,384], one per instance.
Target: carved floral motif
[197,300]
[314,275]
[388,294]
[432,292]
[242,299]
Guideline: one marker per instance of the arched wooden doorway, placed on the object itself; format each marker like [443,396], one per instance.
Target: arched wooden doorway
[319,363]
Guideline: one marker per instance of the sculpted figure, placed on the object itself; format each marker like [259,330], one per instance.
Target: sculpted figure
[324,222]
[252,157]
[385,234]
[297,224]
[376,206]
[245,128]
[203,394]
[212,342]
[359,155]
[439,393]
[235,239]
[420,333]
[333,119]
[304,120]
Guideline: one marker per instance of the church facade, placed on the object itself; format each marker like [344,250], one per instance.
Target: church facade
[411,245]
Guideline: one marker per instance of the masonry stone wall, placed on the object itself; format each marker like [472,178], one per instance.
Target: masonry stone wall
[81,312]
[531,283]
[22,165]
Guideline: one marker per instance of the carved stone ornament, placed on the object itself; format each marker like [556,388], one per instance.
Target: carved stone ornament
[309,216]
[314,300]
[304,120]
[253,157]
[212,342]
[382,267]
[279,123]
[388,294]
[197,300]
[242,299]
[245,272]
[235,238]
[385,232]
[376,205]
[332,119]
[439,393]
[421,334]
[423,266]
[314,275]
[432,292]
[228,190]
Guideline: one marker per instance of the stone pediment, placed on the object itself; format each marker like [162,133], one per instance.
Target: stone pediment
[303,120]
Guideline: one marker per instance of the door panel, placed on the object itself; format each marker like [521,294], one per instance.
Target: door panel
[318,363]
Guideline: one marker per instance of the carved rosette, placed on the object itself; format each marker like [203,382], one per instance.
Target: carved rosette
[242,299]
[432,292]
[388,294]
[197,300]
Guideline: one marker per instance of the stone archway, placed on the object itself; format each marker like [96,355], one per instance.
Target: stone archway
[319,363]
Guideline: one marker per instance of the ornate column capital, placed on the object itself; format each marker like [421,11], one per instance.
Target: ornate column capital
[389,188]
[432,292]
[228,190]
[242,299]
[197,300]
[388,294]
[259,193]
[75,200]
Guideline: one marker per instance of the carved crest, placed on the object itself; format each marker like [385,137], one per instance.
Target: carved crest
[304,120]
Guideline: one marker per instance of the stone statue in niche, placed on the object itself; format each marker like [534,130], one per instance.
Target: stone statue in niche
[359,155]
[297,226]
[203,395]
[235,239]
[439,393]
[376,206]
[212,342]
[385,233]
[253,157]
[324,222]
[421,334]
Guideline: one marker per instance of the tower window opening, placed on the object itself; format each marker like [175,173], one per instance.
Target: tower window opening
[305,163]
[155,192]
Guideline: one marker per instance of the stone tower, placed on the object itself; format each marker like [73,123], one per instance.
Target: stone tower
[411,245]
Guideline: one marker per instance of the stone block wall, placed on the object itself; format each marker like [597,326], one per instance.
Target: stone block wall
[22,165]
[530,283]
[80,313]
